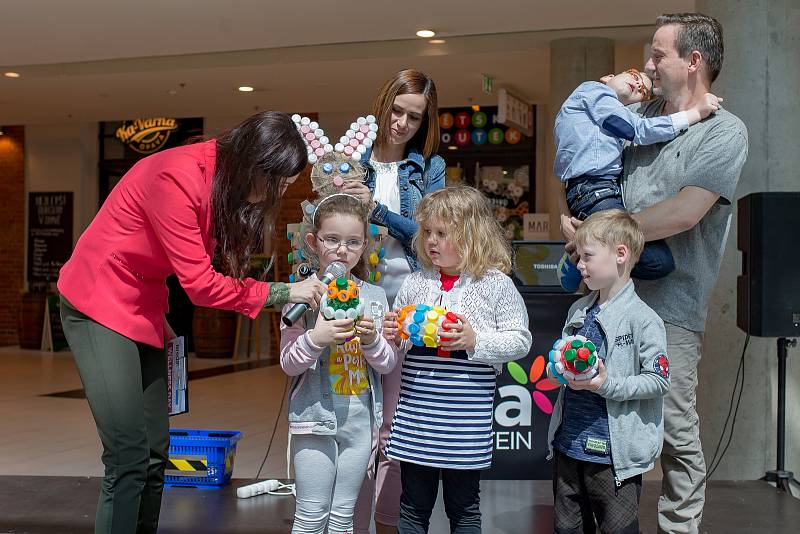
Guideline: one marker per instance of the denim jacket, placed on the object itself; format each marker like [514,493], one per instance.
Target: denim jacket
[637,368]
[417,177]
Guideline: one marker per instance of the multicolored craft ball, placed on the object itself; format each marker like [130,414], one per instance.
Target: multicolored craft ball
[573,357]
[423,324]
[341,301]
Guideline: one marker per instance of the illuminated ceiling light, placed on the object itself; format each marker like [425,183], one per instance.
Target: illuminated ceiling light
[246,89]
[426,34]
[11,74]
[437,41]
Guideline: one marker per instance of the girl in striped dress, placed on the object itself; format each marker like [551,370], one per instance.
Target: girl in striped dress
[443,423]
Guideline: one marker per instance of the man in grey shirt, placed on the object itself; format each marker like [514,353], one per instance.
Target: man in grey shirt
[682,191]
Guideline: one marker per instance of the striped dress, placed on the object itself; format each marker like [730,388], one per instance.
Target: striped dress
[445,411]
[444,416]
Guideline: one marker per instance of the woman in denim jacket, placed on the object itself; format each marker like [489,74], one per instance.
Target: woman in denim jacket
[402,167]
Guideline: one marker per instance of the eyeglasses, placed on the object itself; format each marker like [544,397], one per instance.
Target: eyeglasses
[331,243]
[643,89]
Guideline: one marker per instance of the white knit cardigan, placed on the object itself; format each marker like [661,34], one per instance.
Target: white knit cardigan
[491,304]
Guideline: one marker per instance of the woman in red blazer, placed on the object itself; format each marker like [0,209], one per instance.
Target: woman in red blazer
[167,215]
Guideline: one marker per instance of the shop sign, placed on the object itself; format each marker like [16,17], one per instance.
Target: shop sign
[146,136]
[488,83]
[475,127]
[515,112]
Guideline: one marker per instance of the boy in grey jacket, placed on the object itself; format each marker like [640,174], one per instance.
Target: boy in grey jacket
[607,431]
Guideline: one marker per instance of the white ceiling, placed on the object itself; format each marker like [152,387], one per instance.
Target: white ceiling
[103,59]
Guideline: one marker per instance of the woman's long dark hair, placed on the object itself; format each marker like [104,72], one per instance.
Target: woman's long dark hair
[253,159]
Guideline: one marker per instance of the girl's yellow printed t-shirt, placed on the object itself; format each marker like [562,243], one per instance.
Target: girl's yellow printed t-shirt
[348,368]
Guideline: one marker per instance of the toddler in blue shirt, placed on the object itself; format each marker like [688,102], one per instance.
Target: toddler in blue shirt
[592,127]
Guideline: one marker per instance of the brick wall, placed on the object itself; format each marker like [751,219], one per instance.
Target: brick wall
[290,213]
[12,230]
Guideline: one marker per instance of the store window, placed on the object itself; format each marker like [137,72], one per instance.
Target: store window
[493,157]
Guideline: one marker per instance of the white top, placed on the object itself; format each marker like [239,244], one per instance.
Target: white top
[394,266]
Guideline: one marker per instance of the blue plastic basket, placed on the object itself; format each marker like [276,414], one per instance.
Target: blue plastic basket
[201,457]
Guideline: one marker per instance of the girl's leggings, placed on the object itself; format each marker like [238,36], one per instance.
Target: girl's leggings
[329,469]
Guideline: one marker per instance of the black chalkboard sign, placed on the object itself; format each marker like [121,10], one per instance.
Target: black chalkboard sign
[49,234]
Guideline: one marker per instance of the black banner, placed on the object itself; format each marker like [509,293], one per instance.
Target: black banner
[524,398]
[49,234]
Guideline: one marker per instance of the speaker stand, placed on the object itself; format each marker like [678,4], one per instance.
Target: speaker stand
[780,476]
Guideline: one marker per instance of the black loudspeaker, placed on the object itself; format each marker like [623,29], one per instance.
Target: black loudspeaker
[768,290]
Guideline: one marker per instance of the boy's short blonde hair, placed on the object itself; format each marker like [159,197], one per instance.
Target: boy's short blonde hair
[612,228]
[471,228]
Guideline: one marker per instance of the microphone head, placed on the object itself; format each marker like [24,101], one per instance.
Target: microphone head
[336,270]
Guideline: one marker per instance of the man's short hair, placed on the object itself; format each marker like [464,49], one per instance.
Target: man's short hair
[697,32]
[612,228]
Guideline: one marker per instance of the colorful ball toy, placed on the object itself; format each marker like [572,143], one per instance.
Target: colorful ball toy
[573,357]
[341,301]
[423,324]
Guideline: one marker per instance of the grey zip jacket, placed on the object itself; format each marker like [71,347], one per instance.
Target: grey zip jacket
[637,378]
[310,396]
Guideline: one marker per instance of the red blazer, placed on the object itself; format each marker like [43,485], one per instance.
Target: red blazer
[155,222]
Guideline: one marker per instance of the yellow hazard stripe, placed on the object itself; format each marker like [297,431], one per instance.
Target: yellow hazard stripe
[187,463]
[182,465]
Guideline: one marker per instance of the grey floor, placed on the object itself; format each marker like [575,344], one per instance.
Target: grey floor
[65,505]
[50,461]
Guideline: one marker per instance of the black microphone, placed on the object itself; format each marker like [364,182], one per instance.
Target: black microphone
[334,271]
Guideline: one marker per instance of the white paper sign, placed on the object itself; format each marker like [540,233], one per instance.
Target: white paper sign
[537,226]
[515,112]
[177,376]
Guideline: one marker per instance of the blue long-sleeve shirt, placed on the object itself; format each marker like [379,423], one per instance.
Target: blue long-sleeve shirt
[592,127]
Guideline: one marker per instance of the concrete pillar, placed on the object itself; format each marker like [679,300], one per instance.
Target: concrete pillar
[759,82]
[572,61]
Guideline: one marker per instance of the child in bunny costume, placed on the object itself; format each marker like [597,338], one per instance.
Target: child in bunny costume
[334,362]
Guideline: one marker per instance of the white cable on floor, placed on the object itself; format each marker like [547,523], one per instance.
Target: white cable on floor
[270,487]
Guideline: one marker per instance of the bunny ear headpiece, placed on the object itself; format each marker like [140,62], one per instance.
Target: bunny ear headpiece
[353,143]
[333,167]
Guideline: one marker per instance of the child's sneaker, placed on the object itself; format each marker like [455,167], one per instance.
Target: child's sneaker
[568,275]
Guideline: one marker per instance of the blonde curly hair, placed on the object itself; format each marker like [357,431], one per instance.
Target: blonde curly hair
[471,228]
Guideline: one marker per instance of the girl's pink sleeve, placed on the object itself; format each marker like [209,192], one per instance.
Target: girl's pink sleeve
[298,353]
[380,355]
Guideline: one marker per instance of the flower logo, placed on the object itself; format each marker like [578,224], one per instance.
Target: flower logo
[536,375]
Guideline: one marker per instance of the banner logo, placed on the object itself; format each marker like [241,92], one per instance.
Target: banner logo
[515,408]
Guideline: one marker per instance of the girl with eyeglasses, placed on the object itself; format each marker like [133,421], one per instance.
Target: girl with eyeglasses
[335,397]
